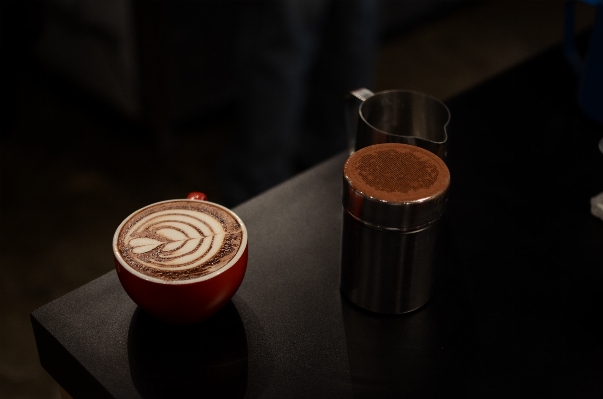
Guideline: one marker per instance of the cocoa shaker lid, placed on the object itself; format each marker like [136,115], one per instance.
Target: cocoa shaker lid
[395,186]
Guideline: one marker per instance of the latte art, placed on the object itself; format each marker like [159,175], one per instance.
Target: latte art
[180,240]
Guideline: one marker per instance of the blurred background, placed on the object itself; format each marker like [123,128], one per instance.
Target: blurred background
[110,105]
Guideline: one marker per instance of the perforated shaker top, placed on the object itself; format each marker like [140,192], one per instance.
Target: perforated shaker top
[384,178]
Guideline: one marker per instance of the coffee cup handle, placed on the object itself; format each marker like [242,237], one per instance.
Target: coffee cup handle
[197,195]
[352,104]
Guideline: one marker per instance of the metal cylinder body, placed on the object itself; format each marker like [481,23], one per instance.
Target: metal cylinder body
[387,271]
[393,198]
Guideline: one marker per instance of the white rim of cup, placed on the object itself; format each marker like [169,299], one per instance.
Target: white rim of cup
[209,276]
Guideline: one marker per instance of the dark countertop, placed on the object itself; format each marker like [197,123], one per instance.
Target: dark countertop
[515,310]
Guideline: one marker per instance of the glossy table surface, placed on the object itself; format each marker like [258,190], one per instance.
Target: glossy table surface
[518,295]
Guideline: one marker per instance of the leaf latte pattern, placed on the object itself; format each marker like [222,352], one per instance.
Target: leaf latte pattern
[180,241]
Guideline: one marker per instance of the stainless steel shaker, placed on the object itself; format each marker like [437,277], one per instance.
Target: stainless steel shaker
[393,198]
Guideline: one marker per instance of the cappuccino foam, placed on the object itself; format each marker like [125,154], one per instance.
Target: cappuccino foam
[180,240]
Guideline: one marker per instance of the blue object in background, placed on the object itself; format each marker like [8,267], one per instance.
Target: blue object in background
[590,68]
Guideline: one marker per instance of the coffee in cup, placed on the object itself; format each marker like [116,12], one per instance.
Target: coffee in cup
[181,260]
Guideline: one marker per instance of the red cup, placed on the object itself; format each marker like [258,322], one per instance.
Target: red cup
[183,301]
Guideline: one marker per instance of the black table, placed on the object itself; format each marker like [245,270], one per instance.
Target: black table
[517,304]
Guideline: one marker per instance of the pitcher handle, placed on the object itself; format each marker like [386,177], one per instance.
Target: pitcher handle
[352,104]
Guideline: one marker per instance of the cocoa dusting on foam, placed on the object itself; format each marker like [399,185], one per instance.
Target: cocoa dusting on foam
[180,240]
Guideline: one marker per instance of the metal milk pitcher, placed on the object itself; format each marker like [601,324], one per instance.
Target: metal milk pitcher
[396,116]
